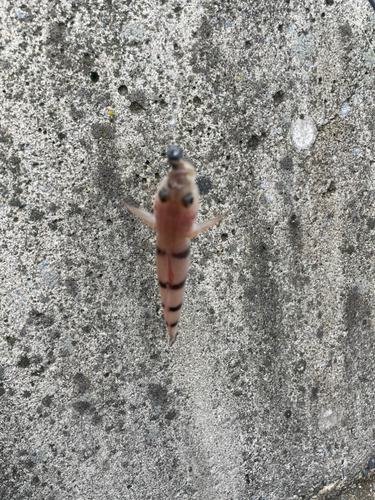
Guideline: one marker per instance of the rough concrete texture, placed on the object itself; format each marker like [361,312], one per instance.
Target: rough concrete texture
[268,392]
[360,488]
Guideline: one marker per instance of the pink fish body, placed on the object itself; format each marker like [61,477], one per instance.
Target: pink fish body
[175,212]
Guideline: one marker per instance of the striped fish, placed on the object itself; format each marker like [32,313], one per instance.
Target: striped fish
[175,212]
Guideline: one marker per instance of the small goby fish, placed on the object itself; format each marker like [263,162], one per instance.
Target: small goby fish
[175,212]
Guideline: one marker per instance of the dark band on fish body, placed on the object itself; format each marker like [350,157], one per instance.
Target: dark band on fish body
[172,325]
[173,309]
[172,287]
[181,255]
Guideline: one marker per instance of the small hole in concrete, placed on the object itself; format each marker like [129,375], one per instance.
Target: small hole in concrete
[94,76]
[123,90]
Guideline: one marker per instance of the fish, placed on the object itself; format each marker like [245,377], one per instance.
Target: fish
[175,211]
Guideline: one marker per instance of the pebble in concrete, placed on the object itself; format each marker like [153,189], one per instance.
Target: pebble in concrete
[303,132]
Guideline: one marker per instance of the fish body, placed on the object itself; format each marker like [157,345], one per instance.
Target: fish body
[175,212]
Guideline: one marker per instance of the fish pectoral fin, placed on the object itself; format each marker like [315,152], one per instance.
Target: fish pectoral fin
[202,226]
[146,217]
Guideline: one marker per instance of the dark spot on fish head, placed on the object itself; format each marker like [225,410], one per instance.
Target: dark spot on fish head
[163,194]
[187,200]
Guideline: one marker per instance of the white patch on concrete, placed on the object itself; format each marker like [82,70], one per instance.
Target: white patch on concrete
[304,46]
[329,488]
[303,133]
[345,108]
[369,59]
[328,419]
[51,278]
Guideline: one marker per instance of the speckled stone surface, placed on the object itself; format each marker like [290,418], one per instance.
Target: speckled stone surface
[268,392]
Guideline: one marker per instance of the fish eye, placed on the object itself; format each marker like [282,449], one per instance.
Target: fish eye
[163,194]
[187,200]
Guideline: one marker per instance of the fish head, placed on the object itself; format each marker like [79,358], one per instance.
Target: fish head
[178,191]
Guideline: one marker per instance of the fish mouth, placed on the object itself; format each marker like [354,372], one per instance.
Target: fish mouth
[174,154]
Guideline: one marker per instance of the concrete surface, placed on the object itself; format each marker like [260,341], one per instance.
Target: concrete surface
[361,487]
[269,391]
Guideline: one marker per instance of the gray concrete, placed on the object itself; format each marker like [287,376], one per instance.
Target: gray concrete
[361,487]
[268,392]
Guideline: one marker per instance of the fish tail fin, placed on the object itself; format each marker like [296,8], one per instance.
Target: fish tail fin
[172,336]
